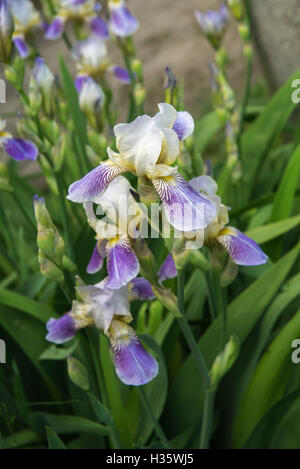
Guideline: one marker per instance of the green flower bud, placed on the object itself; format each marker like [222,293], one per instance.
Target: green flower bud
[92,101]
[237,8]
[244,32]
[139,94]
[15,73]
[49,269]
[137,68]
[78,373]
[46,83]
[49,241]
[35,97]
[224,361]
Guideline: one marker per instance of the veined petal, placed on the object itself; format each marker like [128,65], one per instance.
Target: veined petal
[243,250]
[96,261]
[184,125]
[170,147]
[94,183]
[122,263]
[22,46]
[20,149]
[141,289]
[99,27]
[167,269]
[134,365]
[122,22]
[185,209]
[55,29]
[61,330]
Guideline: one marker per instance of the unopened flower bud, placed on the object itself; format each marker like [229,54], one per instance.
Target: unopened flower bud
[49,241]
[6,31]
[35,97]
[137,68]
[244,32]
[78,373]
[46,84]
[213,24]
[237,8]
[92,100]
[15,72]
[224,361]
[139,94]
[49,269]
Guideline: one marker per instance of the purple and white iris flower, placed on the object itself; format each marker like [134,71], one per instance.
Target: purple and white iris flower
[116,233]
[92,60]
[77,10]
[17,148]
[242,249]
[122,23]
[213,24]
[109,311]
[26,18]
[149,147]
[45,81]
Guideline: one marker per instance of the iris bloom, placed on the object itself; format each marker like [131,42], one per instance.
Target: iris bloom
[242,249]
[18,148]
[116,235]
[149,147]
[213,24]
[109,311]
[122,22]
[26,18]
[78,10]
[92,61]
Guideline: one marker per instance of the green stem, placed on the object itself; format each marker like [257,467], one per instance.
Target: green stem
[187,332]
[208,409]
[220,294]
[159,431]
[64,214]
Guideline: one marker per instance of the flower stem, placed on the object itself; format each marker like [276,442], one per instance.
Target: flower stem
[209,399]
[159,431]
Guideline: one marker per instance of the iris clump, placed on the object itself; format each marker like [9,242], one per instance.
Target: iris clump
[148,296]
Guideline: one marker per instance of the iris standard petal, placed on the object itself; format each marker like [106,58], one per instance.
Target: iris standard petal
[121,74]
[99,27]
[91,186]
[55,29]
[184,125]
[243,250]
[185,209]
[122,263]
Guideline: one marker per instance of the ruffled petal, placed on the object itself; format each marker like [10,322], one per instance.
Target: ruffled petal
[167,269]
[243,250]
[141,289]
[134,365]
[204,184]
[96,261]
[122,22]
[184,125]
[61,330]
[91,186]
[99,27]
[122,263]
[166,117]
[20,149]
[55,29]
[185,209]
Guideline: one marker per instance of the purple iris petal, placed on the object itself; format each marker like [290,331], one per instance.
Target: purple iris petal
[122,22]
[20,149]
[121,74]
[22,47]
[99,27]
[93,184]
[141,289]
[61,330]
[77,2]
[134,365]
[167,269]
[185,209]
[243,250]
[122,264]
[55,30]
[184,125]
[96,261]
[79,81]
